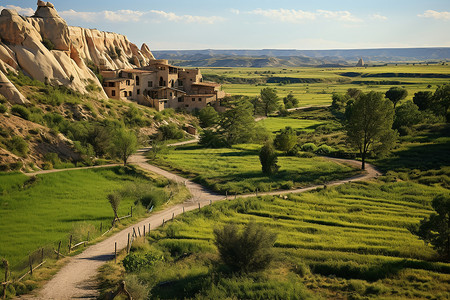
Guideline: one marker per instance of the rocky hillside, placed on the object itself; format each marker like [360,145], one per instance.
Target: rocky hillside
[53,111]
[45,48]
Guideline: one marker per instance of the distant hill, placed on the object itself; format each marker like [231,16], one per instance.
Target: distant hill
[299,58]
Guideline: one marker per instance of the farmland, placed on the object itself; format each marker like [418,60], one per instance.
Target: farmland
[317,84]
[348,241]
[238,170]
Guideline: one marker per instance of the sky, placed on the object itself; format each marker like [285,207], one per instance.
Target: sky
[261,24]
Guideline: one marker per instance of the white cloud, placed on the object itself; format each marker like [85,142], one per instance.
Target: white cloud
[439,15]
[285,15]
[378,17]
[137,16]
[294,16]
[25,11]
[235,11]
[187,18]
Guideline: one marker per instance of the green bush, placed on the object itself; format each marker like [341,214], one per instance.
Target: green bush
[21,111]
[153,198]
[18,146]
[324,150]
[169,132]
[246,251]
[48,44]
[309,147]
[3,109]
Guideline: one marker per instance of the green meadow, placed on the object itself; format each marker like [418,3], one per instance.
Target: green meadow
[320,83]
[238,169]
[39,211]
[345,242]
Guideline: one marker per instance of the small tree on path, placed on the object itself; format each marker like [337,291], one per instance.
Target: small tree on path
[268,159]
[124,144]
[114,200]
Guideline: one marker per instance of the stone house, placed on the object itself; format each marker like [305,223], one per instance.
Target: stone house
[161,86]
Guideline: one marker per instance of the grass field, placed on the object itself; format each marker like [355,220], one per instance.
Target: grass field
[238,169]
[349,242]
[275,124]
[325,81]
[39,212]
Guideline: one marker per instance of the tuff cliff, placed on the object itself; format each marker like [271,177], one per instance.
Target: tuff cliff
[45,48]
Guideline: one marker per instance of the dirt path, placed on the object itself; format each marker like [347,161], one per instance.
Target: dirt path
[77,278]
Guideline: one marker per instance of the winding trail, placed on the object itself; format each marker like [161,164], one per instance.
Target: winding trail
[77,279]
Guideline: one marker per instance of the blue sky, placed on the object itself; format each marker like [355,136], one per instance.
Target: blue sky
[261,24]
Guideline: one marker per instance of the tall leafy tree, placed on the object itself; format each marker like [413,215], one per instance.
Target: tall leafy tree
[423,100]
[268,159]
[369,126]
[124,144]
[441,101]
[290,101]
[237,124]
[208,117]
[269,99]
[286,139]
[406,115]
[435,229]
[395,94]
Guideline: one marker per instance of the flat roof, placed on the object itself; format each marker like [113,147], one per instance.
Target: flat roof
[213,84]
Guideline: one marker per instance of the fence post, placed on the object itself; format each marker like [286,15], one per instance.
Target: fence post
[31,265]
[199,206]
[128,244]
[115,252]
[132,211]
[59,248]
[173,216]
[70,243]
[162,223]
[139,231]
[134,232]
[148,228]
[42,254]
[144,230]
[6,265]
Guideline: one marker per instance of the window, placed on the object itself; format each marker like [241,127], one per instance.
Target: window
[170,94]
[113,93]
[137,80]
[128,82]
[180,82]
[180,99]
[111,84]
[187,105]
[129,94]
[138,91]
[200,99]
[125,93]
[150,83]
[161,81]
[193,99]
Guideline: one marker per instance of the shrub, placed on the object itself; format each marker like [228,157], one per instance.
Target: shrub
[170,131]
[324,150]
[154,198]
[268,159]
[18,146]
[3,109]
[137,289]
[21,111]
[246,251]
[212,139]
[133,262]
[309,147]
[48,44]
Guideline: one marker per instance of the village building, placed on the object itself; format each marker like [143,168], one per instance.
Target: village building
[161,86]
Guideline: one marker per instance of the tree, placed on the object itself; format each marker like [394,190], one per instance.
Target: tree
[286,139]
[423,100]
[395,94]
[339,101]
[353,93]
[246,251]
[124,144]
[369,126]
[406,115]
[114,200]
[441,101]
[435,229]
[269,100]
[208,117]
[268,159]
[290,101]
[237,124]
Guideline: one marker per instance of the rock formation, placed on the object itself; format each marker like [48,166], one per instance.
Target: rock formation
[360,63]
[45,48]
